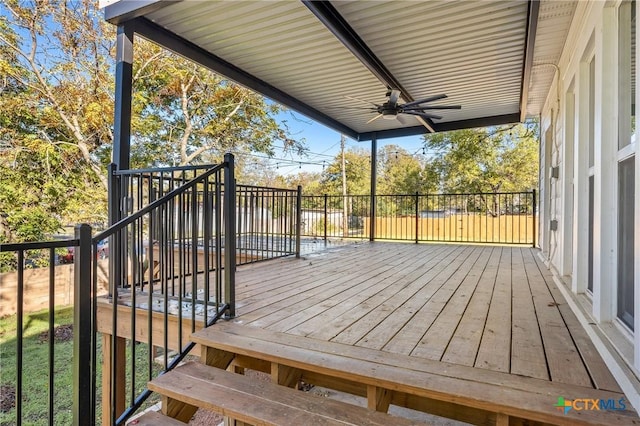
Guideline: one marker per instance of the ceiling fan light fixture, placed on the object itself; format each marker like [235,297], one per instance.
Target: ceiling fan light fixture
[389,115]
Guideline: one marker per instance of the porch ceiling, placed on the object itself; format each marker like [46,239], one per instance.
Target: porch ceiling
[310,55]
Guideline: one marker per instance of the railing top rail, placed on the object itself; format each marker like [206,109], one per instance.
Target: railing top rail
[163,169]
[172,194]
[432,194]
[267,188]
[35,245]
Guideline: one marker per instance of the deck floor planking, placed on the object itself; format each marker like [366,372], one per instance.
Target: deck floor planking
[488,314]
[494,308]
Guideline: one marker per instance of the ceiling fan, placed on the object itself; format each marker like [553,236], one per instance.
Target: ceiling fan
[392,110]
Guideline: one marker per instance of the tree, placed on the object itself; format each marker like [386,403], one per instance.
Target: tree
[185,114]
[56,107]
[487,160]
[310,182]
[490,159]
[401,172]
[357,170]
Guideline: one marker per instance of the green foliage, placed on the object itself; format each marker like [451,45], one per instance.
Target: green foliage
[311,182]
[494,159]
[56,115]
[400,172]
[185,114]
[358,170]
[35,369]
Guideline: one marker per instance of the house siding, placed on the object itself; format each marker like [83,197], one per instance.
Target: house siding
[566,127]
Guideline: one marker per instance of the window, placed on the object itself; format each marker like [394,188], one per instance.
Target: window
[626,162]
[626,72]
[626,199]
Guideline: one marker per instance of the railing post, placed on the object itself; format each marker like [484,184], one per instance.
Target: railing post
[298,220]
[325,216]
[533,209]
[230,235]
[83,406]
[372,201]
[417,217]
[114,216]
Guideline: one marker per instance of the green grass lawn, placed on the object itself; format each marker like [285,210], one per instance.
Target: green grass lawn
[35,371]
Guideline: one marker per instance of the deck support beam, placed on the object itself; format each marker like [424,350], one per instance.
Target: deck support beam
[120,382]
[177,409]
[216,357]
[502,420]
[378,399]
[285,376]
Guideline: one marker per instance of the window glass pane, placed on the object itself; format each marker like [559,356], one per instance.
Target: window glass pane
[626,188]
[626,76]
[632,68]
[590,248]
[592,108]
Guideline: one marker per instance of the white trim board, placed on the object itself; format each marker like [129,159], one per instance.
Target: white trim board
[624,375]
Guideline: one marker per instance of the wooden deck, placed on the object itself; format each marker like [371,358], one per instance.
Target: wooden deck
[494,308]
[491,308]
[475,333]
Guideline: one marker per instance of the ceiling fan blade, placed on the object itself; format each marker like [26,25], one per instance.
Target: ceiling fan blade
[393,96]
[421,108]
[425,123]
[425,100]
[422,114]
[374,118]
[354,108]
[361,100]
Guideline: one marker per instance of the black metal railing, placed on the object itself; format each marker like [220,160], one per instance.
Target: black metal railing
[265,216]
[266,223]
[173,267]
[19,349]
[173,261]
[500,218]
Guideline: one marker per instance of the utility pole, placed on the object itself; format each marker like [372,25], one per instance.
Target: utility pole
[345,219]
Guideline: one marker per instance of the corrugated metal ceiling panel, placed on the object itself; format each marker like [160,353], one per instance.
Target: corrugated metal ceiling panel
[446,47]
[553,26]
[472,50]
[283,44]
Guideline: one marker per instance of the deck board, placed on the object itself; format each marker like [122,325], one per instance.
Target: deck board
[490,307]
[489,314]
[527,350]
[332,321]
[383,321]
[419,313]
[437,338]
[494,352]
[558,344]
[464,344]
[311,299]
[429,285]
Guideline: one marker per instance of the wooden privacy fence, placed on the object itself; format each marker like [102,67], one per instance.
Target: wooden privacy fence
[37,287]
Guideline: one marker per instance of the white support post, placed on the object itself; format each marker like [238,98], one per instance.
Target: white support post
[581,264]
[605,149]
[566,261]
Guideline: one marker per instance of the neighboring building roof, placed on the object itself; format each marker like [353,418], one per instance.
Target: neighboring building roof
[310,55]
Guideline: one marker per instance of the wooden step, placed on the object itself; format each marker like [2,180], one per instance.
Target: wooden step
[465,393]
[194,385]
[154,418]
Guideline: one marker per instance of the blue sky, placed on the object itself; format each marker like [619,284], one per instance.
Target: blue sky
[323,144]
